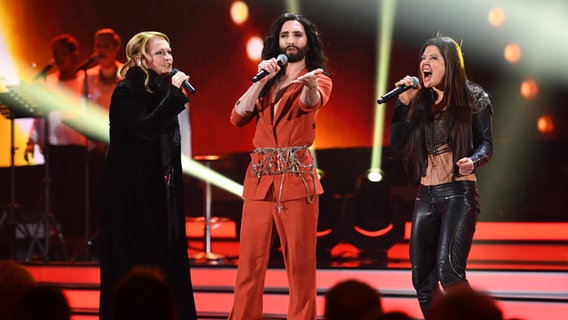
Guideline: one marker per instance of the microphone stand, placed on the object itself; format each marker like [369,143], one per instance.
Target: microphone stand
[47,219]
[87,187]
[43,73]
[19,99]
[87,175]
[9,215]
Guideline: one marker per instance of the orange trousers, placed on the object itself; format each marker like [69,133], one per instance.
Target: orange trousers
[296,225]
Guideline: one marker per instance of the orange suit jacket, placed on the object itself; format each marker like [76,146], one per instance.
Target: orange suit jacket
[293,125]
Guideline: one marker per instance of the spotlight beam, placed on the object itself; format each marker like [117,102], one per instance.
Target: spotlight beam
[385,30]
[94,122]
[293,6]
[202,172]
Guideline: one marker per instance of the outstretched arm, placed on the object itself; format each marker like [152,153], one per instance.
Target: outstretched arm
[310,94]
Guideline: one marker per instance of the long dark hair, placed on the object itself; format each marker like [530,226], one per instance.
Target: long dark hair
[460,109]
[315,57]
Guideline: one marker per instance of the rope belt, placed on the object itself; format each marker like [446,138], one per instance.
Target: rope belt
[275,161]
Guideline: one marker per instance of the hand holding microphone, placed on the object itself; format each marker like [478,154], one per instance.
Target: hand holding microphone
[185,84]
[281,60]
[403,85]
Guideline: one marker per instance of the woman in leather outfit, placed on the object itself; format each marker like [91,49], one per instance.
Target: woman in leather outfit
[442,129]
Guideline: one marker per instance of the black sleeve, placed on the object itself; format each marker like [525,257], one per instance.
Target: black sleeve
[399,125]
[482,136]
[131,106]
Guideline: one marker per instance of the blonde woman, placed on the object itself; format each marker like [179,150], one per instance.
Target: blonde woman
[142,215]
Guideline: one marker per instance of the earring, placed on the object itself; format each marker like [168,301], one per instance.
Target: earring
[138,62]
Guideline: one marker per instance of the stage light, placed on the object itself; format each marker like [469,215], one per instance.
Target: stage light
[8,75]
[521,25]
[239,12]
[512,53]
[529,89]
[384,42]
[254,48]
[545,124]
[292,6]
[93,122]
[202,172]
[496,17]
[372,218]
[374,175]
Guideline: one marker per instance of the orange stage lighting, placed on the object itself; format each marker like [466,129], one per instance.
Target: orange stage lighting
[529,89]
[254,48]
[545,124]
[496,17]
[239,12]
[513,53]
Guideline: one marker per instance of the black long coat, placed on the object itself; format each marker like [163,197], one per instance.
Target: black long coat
[140,223]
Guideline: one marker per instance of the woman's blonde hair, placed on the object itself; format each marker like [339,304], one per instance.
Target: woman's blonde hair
[136,50]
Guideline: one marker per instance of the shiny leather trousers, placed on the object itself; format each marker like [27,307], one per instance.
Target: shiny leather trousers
[443,224]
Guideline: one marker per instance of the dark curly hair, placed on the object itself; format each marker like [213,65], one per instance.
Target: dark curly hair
[315,57]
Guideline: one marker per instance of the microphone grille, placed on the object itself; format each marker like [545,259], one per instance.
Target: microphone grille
[282,59]
[415,82]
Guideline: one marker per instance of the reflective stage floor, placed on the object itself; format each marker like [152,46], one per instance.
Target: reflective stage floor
[524,266]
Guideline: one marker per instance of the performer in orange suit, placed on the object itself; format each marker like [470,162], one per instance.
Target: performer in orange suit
[281,186]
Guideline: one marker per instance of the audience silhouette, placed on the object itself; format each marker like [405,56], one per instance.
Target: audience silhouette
[15,280]
[352,300]
[464,303]
[43,302]
[142,294]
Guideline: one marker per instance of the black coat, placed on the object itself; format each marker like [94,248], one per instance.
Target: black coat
[140,223]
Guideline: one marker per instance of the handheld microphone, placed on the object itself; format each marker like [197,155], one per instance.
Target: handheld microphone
[89,63]
[398,90]
[45,69]
[281,60]
[186,85]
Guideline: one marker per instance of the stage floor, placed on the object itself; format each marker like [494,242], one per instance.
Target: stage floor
[524,266]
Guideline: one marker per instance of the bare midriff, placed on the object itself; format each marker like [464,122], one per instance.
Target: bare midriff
[440,169]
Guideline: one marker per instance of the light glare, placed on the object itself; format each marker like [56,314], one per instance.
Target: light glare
[254,48]
[374,175]
[239,12]
[202,172]
[513,53]
[529,89]
[545,124]
[496,17]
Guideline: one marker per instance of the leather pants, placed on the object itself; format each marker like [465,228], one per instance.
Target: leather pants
[443,224]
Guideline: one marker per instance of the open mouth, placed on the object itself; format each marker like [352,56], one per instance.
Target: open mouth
[426,75]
